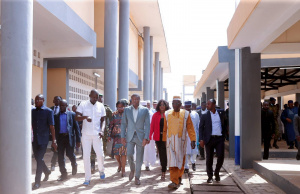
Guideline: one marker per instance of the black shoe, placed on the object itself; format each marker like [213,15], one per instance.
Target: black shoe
[194,167]
[180,181]
[209,180]
[36,186]
[270,146]
[202,158]
[276,146]
[297,157]
[186,170]
[291,147]
[93,170]
[74,170]
[47,176]
[63,177]
[217,178]
[147,168]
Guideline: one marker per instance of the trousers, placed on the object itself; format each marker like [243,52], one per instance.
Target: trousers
[135,143]
[87,142]
[191,158]
[39,152]
[218,144]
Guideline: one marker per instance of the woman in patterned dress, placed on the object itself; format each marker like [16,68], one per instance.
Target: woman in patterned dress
[114,133]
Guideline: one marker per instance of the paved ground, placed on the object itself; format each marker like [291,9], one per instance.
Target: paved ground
[114,183]
[233,180]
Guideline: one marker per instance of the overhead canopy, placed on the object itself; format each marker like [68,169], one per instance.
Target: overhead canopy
[267,27]
[59,32]
[147,13]
[215,70]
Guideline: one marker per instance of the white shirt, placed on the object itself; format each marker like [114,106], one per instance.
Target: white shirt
[135,113]
[56,110]
[152,110]
[216,124]
[96,111]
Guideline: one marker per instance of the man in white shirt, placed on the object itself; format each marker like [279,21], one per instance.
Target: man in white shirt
[92,113]
[212,132]
[153,109]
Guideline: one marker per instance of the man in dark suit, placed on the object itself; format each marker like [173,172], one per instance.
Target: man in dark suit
[55,108]
[66,129]
[42,121]
[212,132]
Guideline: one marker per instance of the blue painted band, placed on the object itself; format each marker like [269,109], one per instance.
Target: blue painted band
[237,150]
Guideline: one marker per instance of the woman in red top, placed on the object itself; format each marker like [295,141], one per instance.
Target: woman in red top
[159,131]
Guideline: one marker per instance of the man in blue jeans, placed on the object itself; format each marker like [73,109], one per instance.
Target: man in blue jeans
[42,121]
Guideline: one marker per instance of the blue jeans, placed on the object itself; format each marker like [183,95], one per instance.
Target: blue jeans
[39,152]
[139,155]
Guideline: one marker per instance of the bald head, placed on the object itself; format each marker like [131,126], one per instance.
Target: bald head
[39,100]
[94,95]
[63,105]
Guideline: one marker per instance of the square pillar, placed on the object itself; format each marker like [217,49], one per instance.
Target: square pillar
[220,94]
[209,94]
[250,110]
[279,102]
[298,97]
[203,98]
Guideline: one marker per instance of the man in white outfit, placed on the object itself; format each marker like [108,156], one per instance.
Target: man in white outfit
[92,113]
[191,154]
[149,152]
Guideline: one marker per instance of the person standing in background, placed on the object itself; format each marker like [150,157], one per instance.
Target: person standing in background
[55,108]
[191,154]
[200,112]
[274,109]
[267,128]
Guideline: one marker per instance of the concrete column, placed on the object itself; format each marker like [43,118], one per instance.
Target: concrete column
[156,76]
[198,102]
[67,85]
[166,96]
[209,94]
[151,69]
[231,86]
[146,81]
[280,102]
[162,82]
[250,110]
[298,97]
[15,111]
[45,70]
[159,83]
[183,93]
[203,98]
[220,94]
[123,72]
[110,52]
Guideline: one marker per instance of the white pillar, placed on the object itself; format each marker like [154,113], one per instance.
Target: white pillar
[161,82]
[146,83]
[156,78]
[45,77]
[110,52]
[123,50]
[15,112]
[151,69]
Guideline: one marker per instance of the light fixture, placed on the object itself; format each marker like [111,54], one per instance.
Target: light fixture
[96,74]
[289,67]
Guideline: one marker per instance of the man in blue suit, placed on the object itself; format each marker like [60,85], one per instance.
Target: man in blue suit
[66,130]
[212,132]
[136,120]
[42,122]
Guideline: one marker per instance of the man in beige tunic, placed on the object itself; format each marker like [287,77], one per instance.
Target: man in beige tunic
[179,125]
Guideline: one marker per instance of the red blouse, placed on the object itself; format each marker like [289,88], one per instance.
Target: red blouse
[155,127]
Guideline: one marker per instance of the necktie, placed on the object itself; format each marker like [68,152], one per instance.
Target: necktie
[55,108]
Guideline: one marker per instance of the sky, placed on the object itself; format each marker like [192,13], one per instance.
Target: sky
[193,29]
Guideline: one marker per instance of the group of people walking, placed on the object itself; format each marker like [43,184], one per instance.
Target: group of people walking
[271,120]
[135,128]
